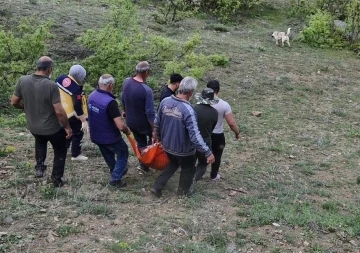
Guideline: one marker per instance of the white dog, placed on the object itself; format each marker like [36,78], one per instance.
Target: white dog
[284,37]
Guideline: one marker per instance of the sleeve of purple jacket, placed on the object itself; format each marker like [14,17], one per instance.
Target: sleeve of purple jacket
[149,105]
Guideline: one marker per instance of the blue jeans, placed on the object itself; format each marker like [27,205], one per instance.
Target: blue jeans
[117,167]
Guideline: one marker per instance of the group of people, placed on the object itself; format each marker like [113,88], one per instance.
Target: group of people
[60,114]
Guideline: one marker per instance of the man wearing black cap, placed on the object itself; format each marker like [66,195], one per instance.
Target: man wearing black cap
[45,117]
[206,118]
[218,137]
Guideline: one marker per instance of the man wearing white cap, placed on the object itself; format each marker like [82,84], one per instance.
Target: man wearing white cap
[74,102]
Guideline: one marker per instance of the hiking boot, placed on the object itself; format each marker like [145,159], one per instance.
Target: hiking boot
[217,178]
[125,171]
[39,173]
[117,184]
[40,170]
[79,158]
[156,193]
[143,169]
[58,182]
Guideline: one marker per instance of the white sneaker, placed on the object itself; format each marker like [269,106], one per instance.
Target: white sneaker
[79,158]
[217,178]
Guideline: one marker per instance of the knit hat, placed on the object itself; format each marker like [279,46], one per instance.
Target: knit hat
[78,73]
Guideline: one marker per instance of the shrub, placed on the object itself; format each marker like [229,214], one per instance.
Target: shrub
[302,8]
[336,8]
[224,9]
[118,46]
[320,32]
[219,60]
[18,52]
[353,21]
[173,11]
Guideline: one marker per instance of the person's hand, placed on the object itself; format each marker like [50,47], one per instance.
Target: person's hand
[82,118]
[68,133]
[237,136]
[154,139]
[84,127]
[126,131]
[210,159]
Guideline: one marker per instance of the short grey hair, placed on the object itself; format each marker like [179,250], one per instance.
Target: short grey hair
[106,80]
[187,85]
[142,67]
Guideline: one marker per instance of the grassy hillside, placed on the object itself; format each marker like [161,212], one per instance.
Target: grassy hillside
[290,184]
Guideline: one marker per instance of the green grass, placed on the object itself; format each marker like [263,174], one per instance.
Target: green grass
[67,230]
[297,162]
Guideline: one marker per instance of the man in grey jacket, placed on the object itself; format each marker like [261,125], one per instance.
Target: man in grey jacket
[176,128]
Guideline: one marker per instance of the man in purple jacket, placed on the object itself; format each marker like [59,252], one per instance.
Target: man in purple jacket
[138,105]
[105,125]
[177,129]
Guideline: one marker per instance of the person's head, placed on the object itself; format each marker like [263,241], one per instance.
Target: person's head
[44,66]
[175,80]
[187,87]
[106,83]
[142,69]
[206,97]
[78,73]
[215,85]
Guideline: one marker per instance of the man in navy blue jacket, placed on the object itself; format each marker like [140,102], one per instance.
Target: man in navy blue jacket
[177,130]
[138,105]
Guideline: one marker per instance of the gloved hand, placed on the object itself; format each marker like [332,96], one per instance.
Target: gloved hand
[85,127]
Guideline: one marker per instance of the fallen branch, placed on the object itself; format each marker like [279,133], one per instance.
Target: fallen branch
[237,190]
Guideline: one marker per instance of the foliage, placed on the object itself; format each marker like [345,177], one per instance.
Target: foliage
[336,8]
[19,50]
[219,60]
[353,21]
[173,11]
[118,46]
[302,8]
[320,32]
[7,150]
[225,10]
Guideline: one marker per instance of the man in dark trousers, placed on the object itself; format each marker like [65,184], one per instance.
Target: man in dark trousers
[138,105]
[76,107]
[207,118]
[177,130]
[105,125]
[46,119]
[217,136]
[171,88]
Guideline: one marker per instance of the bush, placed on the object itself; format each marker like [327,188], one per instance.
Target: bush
[353,21]
[336,8]
[302,8]
[120,45]
[19,51]
[225,10]
[173,11]
[219,60]
[320,32]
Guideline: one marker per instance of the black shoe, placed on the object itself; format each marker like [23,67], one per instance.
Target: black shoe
[118,184]
[125,171]
[143,169]
[156,193]
[58,183]
[39,173]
